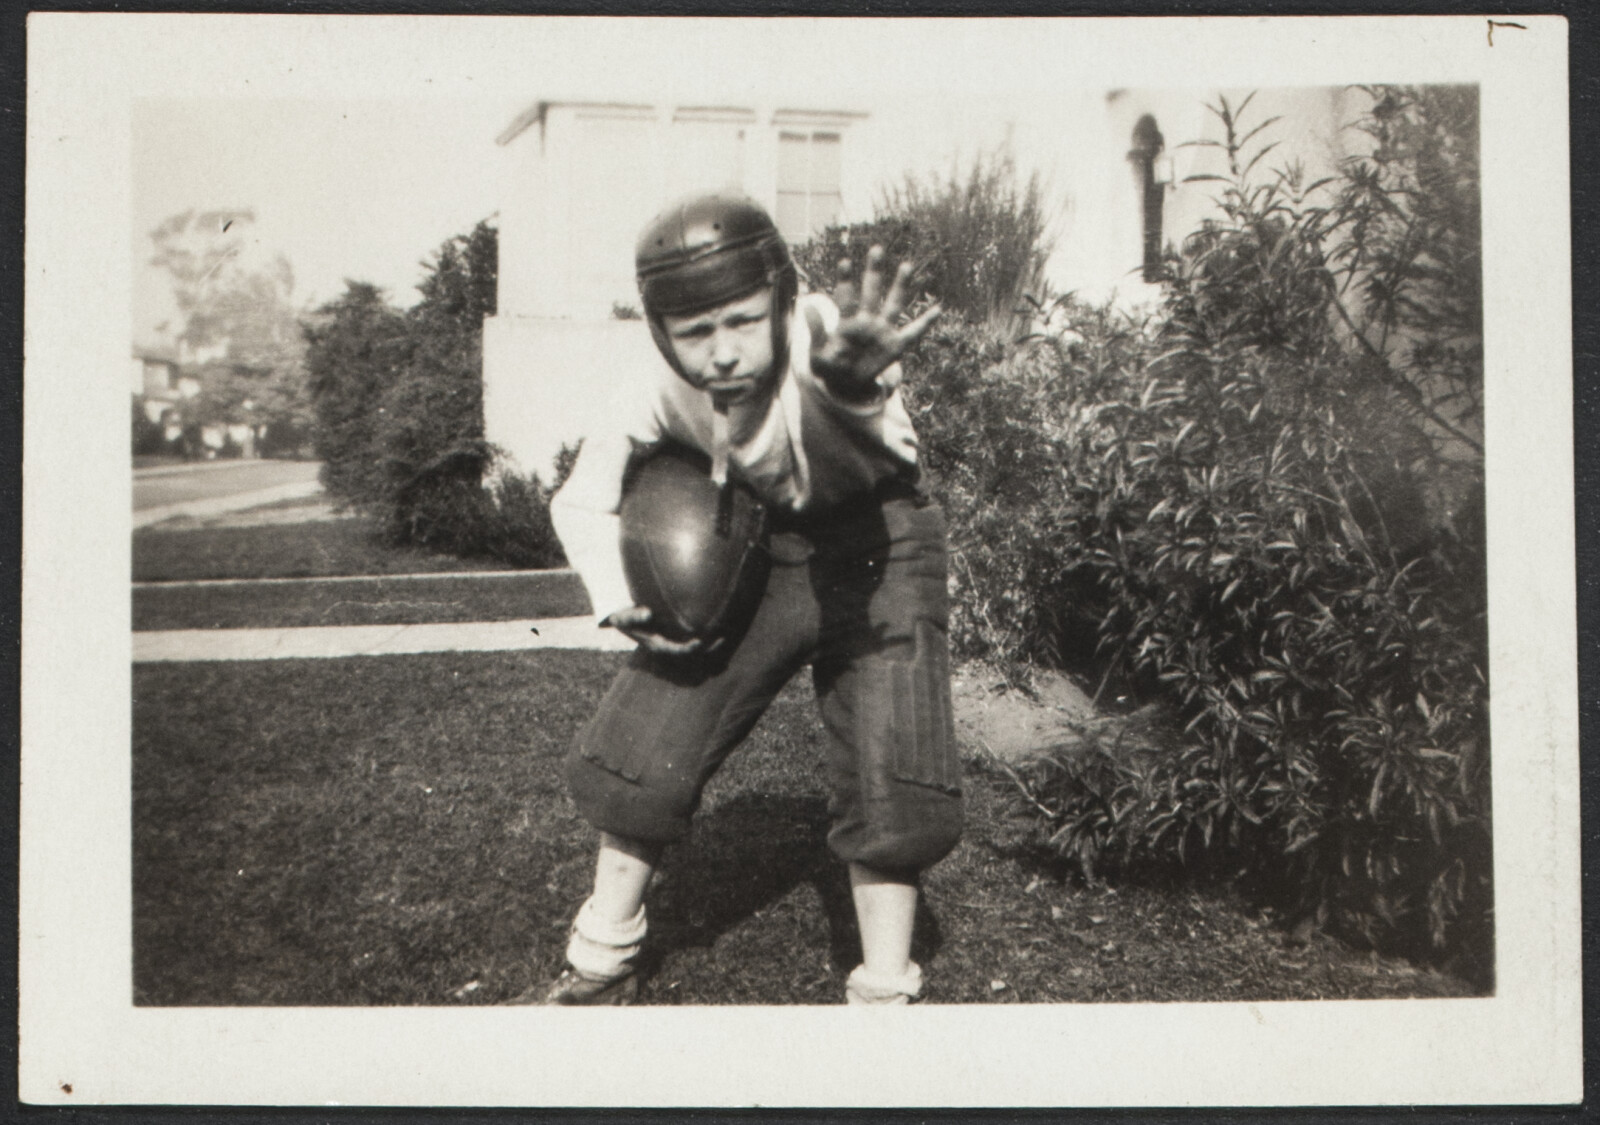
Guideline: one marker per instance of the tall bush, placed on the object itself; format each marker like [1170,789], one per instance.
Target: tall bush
[356,349]
[432,451]
[1243,497]
[1405,239]
[979,238]
[399,400]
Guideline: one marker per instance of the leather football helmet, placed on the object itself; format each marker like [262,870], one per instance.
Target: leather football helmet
[706,250]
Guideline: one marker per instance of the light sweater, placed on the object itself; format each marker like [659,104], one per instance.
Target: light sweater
[800,447]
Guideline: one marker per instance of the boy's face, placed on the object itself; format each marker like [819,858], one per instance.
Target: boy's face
[726,349]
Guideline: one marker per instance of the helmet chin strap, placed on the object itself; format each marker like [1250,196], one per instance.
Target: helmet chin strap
[783,305]
[719,440]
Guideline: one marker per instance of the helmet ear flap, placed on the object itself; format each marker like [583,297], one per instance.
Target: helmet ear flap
[658,333]
[785,292]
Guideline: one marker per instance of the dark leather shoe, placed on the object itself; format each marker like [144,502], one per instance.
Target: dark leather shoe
[573,988]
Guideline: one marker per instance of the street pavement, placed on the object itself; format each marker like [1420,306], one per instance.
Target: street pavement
[211,487]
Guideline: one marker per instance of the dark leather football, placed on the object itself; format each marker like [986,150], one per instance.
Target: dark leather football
[693,552]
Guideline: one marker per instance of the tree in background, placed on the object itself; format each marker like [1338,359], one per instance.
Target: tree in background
[978,237]
[240,326]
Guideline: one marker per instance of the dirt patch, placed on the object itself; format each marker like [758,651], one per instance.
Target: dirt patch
[1012,725]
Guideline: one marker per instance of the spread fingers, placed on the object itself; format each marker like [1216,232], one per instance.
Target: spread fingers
[872,281]
[913,332]
[895,304]
[844,293]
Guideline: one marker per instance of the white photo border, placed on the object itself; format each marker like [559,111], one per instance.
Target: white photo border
[79,1028]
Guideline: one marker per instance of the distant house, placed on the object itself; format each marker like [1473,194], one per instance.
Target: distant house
[159,382]
[161,385]
[582,177]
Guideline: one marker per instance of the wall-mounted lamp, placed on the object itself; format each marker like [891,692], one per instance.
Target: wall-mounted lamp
[1145,155]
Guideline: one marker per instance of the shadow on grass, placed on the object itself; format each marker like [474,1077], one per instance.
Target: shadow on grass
[745,856]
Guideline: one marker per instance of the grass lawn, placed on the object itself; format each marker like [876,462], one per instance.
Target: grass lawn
[382,600]
[394,830]
[315,549]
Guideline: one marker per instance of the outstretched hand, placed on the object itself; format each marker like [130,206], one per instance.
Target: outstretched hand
[867,339]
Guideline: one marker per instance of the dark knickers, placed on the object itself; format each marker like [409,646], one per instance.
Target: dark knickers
[863,600]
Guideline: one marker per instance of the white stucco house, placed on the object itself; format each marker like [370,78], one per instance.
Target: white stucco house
[581,177]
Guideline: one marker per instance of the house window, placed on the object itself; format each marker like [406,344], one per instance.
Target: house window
[809,200]
[1147,146]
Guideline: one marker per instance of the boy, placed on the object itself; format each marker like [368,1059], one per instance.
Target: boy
[796,397]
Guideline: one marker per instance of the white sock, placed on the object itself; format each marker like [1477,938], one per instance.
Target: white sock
[868,987]
[601,948]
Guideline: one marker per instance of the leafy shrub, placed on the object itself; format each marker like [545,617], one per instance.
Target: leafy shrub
[1242,499]
[399,405]
[978,239]
[991,415]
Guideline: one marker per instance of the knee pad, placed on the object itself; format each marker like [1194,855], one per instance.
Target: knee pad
[631,808]
[910,833]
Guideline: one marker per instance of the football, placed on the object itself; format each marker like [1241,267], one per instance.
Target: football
[692,551]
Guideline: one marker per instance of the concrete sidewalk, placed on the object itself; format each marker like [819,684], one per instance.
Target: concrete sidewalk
[375,640]
[547,591]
